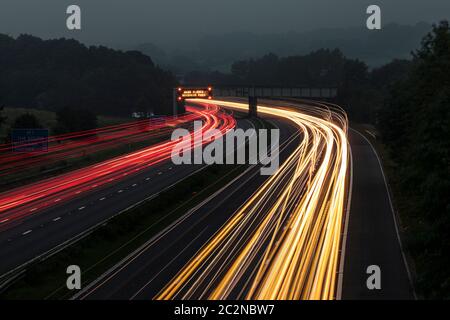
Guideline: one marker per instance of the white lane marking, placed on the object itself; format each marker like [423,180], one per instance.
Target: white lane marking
[345,234]
[170,168]
[57,218]
[168,264]
[120,191]
[26,232]
[57,200]
[81,208]
[134,185]
[159,173]
[372,134]
[146,179]
[4,220]
[101,199]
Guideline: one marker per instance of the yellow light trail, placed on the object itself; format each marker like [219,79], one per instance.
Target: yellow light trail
[283,243]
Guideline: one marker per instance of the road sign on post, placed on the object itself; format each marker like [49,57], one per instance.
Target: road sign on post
[29,140]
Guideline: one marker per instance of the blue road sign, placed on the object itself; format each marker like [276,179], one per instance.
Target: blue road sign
[29,140]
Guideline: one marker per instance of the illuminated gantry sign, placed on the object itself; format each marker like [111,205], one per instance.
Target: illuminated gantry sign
[194,93]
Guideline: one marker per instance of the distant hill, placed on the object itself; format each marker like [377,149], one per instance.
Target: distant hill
[218,52]
[52,74]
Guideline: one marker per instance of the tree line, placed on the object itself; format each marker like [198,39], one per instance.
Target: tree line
[63,73]
[360,90]
[415,124]
[409,103]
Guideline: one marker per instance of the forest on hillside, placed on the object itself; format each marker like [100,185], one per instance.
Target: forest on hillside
[415,124]
[63,73]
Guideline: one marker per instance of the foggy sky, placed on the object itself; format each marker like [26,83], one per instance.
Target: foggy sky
[178,21]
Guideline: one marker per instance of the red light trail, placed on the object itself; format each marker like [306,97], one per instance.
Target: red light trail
[24,201]
[77,144]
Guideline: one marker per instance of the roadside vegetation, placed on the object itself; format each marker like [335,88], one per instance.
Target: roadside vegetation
[412,137]
[415,128]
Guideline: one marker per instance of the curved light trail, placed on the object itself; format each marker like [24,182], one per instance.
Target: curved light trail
[24,201]
[283,243]
[79,144]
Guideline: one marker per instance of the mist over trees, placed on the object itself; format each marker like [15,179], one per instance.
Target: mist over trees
[361,91]
[53,74]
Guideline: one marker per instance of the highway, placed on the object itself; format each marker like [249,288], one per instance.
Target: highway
[41,217]
[307,232]
[373,237]
[257,238]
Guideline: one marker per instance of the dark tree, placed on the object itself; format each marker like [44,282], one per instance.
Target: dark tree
[26,121]
[416,126]
[73,119]
[2,117]
[50,74]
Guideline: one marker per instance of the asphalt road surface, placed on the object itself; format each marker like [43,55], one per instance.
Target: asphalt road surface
[372,234]
[35,235]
